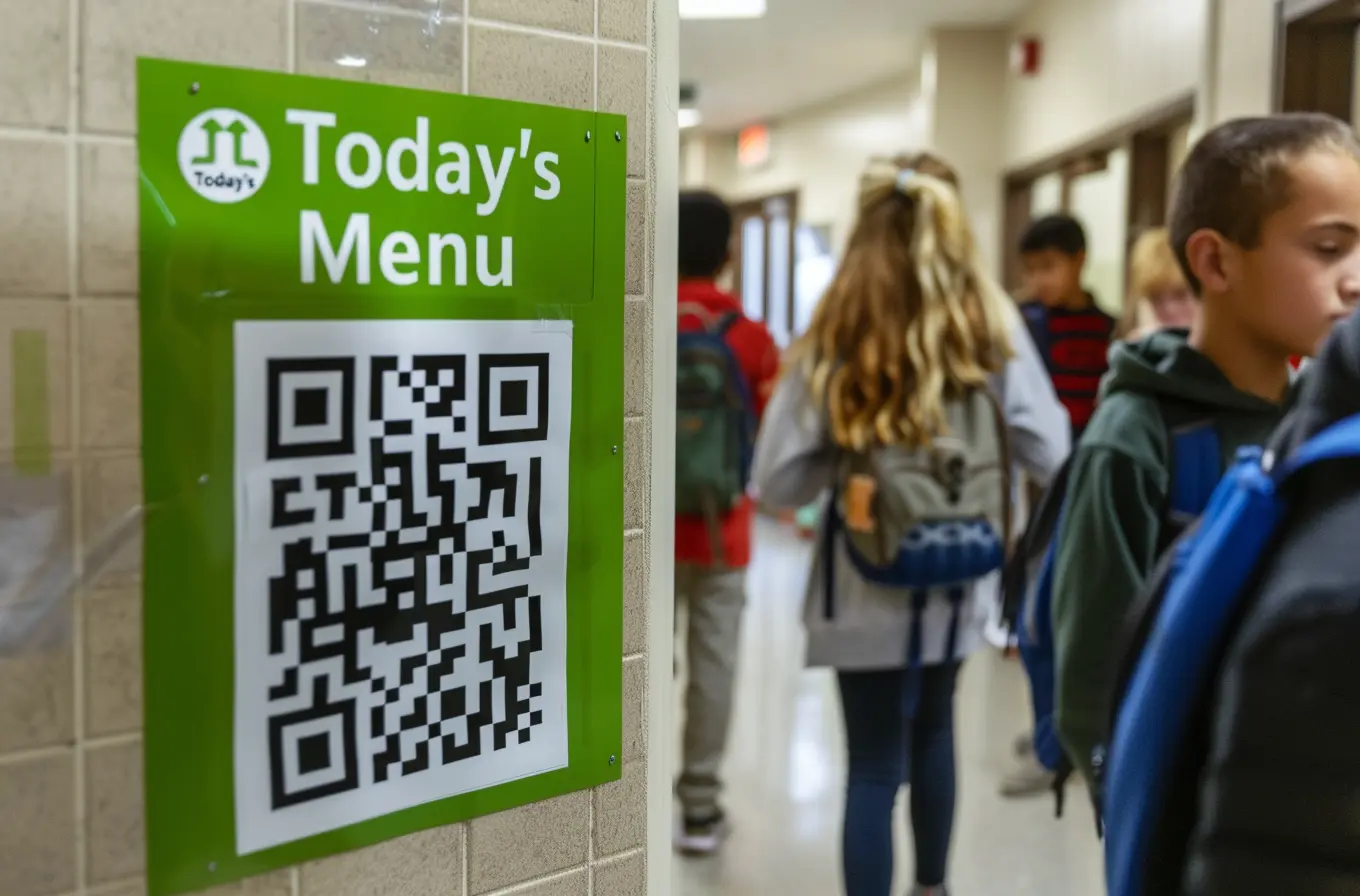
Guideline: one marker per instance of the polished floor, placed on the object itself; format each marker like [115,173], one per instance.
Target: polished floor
[785,771]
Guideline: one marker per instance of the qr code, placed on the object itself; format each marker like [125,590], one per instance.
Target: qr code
[400,587]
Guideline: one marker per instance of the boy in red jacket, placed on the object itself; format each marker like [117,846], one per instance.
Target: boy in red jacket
[713,587]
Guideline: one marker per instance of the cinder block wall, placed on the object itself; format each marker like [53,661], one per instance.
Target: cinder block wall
[70,715]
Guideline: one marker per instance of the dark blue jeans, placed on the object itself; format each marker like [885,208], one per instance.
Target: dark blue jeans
[899,728]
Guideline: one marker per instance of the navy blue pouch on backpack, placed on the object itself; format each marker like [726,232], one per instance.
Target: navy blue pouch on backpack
[1195,468]
[1203,587]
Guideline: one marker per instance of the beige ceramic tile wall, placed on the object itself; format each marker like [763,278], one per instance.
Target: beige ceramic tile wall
[70,716]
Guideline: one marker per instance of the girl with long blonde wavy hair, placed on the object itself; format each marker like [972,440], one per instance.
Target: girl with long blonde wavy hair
[911,322]
[911,319]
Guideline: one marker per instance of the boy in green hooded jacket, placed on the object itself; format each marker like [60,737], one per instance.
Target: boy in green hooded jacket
[1256,230]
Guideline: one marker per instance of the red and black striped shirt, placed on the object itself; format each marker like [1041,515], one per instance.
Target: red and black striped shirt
[1075,346]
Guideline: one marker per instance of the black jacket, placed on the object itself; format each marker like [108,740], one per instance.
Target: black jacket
[1278,808]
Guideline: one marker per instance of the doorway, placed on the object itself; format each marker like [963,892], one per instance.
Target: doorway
[1118,185]
[763,261]
[1315,49]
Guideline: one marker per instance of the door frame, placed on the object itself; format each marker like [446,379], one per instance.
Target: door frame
[1315,50]
[1144,135]
[743,210]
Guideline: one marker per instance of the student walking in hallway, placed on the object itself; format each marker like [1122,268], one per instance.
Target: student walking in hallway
[726,365]
[915,378]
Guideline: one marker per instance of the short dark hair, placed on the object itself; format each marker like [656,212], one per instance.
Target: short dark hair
[705,233]
[1062,233]
[1238,175]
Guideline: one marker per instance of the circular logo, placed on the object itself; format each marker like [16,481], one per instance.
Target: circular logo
[224,155]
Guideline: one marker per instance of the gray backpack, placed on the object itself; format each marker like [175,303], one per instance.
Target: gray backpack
[935,516]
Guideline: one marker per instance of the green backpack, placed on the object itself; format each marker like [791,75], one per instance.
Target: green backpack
[930,517]
[715,423]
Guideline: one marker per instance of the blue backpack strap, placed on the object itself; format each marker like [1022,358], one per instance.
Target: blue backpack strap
[1204,582]
[1036,321]
[1212,565]
[1339,441]
[1196,463]
[1196,468]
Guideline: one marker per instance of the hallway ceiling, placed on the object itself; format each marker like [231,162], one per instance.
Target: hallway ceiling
[804,52]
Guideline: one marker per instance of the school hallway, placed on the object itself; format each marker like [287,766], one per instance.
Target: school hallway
[785,770]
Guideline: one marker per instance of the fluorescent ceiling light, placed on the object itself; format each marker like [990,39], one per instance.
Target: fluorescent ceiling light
[689,118]
[352,61]
[722,9]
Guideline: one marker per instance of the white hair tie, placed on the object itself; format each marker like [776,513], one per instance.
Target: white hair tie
[904,179]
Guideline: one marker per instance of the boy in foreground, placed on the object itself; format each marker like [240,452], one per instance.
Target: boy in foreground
[1276,810]
[1263,224]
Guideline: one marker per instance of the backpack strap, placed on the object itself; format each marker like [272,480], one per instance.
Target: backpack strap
[1194,466]
[1339,441]
[716,323]
[1034,541]
[1036,320]
[1195,463]
[724,323]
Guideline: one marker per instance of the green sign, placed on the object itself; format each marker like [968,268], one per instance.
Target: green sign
[382,427]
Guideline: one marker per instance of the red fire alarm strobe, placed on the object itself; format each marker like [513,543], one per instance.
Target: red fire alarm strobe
[1026,53]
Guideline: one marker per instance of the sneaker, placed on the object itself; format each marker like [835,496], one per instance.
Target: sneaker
[919,890]
[702,837]
[1028,779]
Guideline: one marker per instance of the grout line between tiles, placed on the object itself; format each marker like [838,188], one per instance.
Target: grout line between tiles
[369,7]
[527,885]
[595,53]
[16,757]
[73,368]
[106,139]
[42,135]
[622,856]
[464,837]
[558,35]
[467,52]
[114,887]
[112,740]
[290,34]
[630,657]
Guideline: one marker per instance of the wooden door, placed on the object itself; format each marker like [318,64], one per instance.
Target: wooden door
[763,261]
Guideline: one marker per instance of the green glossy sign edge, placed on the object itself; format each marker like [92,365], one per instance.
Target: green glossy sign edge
[187,617]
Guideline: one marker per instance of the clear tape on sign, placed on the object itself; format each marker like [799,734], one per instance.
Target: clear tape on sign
[438,15]
[554,318]
[39,572]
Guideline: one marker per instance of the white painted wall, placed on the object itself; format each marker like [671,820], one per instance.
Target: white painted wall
[693,161]
[1239,55]
[820,152]
[969,123]
[1104,62]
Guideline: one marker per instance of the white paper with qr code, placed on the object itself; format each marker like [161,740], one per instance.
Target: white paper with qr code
[401,565]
